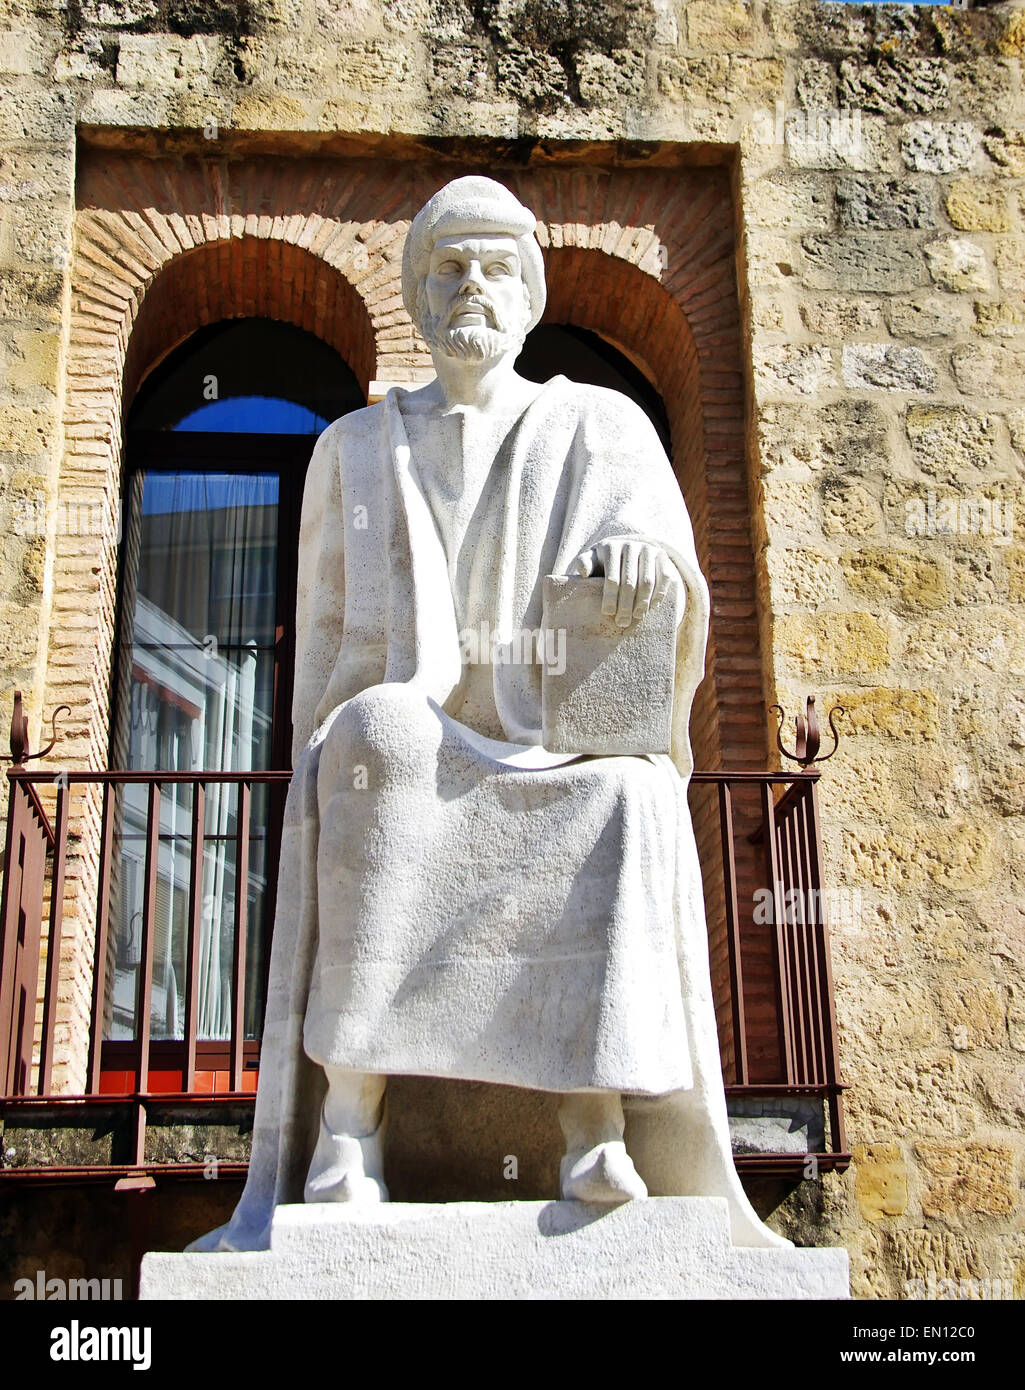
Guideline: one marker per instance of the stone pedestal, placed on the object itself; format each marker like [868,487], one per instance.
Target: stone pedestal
[664,1247]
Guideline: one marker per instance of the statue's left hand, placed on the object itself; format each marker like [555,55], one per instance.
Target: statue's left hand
[637,574]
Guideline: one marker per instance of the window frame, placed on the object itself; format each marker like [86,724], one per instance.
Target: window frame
[287,455]
[196,451]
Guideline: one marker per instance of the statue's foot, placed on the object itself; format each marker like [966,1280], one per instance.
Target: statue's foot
[603,1174]
[213,1241]
[749,1233]
[346,1169]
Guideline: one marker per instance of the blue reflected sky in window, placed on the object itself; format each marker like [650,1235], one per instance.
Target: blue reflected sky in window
[173,493]
[254,415]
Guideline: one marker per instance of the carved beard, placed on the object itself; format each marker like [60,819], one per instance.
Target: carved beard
[472,344]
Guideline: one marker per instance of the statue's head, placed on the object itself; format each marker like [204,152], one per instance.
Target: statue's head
[473,278]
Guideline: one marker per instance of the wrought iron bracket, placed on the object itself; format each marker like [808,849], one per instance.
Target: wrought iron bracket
[807,745]
[20,753]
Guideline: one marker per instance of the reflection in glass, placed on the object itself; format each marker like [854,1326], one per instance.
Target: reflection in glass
[198,652]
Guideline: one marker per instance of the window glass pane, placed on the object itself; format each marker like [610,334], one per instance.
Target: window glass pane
[254,415]
[207,560]
[218,887]
[198,653]
[248,376]
[203,653]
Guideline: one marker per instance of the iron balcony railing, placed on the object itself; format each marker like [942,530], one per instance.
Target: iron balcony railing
[779,1038]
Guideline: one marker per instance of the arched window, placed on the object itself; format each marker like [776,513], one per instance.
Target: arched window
[554,349]
[217,445]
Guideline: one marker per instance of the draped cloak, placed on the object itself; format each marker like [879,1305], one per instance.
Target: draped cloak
[461,906]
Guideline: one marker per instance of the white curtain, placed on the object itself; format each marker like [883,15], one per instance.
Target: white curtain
[200,644]
[233,738]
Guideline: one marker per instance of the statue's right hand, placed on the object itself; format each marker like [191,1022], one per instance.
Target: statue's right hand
[637,574]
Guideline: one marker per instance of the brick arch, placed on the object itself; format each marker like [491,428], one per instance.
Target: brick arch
[644,256]
[247,277]
[164,244]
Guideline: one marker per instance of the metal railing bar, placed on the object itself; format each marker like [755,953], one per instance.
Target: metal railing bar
[40,810]
[805,933]
[199,841]
[784,983]
[10,911]
[53,946]
[837,1129]
[792,855]
[792,938]
[813,929]
[733,930]
[130,778]
[100,943]
[34,775]
[238,957]
[144,986]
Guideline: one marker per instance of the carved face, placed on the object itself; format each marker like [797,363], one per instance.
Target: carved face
[473,303]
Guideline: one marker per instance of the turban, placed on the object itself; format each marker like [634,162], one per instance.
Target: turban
[473,206]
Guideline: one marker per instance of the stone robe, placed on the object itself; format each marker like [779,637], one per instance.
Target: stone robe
[455,905]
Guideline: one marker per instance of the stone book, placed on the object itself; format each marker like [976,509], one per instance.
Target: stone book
[613,691]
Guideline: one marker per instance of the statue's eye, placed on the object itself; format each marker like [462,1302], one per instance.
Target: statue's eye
[448,268]
[498,268]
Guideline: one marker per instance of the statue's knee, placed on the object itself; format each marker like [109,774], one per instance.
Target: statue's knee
[386,731]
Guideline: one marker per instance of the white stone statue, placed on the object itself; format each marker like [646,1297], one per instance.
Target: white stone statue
[454,900]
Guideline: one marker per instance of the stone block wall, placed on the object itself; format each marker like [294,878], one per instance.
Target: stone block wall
[877,156]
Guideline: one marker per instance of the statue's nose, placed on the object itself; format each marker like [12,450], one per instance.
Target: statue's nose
[472,279]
